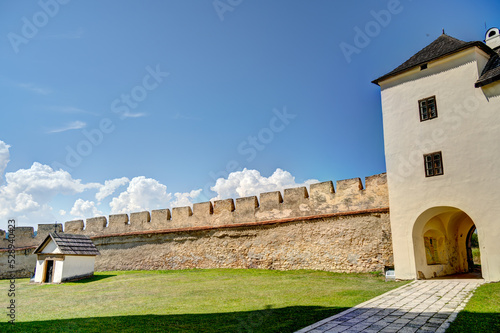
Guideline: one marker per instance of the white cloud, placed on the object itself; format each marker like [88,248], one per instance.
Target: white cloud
[110,187]
[27,193]
[42,181]
[34,88]
[4,158]
[67,109]
[128,114]
[71,126]
[24,202]
[250,182]
[185,199]
[84,208]
[142,194]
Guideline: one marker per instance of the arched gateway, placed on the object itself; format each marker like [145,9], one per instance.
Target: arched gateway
[442,242]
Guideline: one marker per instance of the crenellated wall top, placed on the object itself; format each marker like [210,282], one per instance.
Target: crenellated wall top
[322,198]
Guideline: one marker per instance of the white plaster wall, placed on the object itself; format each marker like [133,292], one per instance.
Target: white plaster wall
[51,247]
[77,265]
[57,271]
[467,132]
[39,271]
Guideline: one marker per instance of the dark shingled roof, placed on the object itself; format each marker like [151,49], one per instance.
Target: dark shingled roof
[491,71]
[444,45]
[70,244]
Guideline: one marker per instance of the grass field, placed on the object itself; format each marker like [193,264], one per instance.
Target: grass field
[476,255]
[482,312]
[188,301]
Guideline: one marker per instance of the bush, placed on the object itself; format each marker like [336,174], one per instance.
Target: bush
[474,241]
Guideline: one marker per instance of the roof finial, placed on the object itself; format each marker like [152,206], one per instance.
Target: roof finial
[55,227]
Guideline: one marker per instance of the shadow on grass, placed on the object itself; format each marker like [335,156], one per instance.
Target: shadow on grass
[288,319]
[475,322]
[93,278]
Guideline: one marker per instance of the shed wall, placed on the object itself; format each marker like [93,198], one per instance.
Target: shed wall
[77,266]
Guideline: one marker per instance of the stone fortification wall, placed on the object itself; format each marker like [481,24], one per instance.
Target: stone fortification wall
[25,236]
[24,242]
[342,229]
[295,202]
[359,242]
[24,265]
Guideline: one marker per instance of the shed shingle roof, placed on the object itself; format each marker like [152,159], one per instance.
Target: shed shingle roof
[70,244]
[444,45]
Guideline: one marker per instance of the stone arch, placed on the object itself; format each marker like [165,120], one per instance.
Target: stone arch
[441,236]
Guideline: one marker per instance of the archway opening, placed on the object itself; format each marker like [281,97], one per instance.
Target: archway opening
[445,243]
[473,252]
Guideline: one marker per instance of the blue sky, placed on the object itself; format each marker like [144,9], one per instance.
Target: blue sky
[122,106]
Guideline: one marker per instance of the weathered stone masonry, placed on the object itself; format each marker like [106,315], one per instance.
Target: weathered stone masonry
[346,230]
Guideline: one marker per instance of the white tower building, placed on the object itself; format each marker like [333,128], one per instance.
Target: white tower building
[441,116]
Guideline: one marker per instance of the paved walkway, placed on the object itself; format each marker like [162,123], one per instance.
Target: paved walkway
[420,306]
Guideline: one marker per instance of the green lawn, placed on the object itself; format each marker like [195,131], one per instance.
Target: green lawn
[216,300]
[482,312]
[476,255]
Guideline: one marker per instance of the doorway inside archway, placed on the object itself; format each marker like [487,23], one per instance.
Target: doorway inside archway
[473,252]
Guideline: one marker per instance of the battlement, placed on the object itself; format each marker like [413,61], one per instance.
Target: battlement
[322,198]
[25,236]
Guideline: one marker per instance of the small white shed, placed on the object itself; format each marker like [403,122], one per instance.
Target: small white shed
[64,257]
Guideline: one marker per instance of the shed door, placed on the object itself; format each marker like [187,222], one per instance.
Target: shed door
[48,271]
